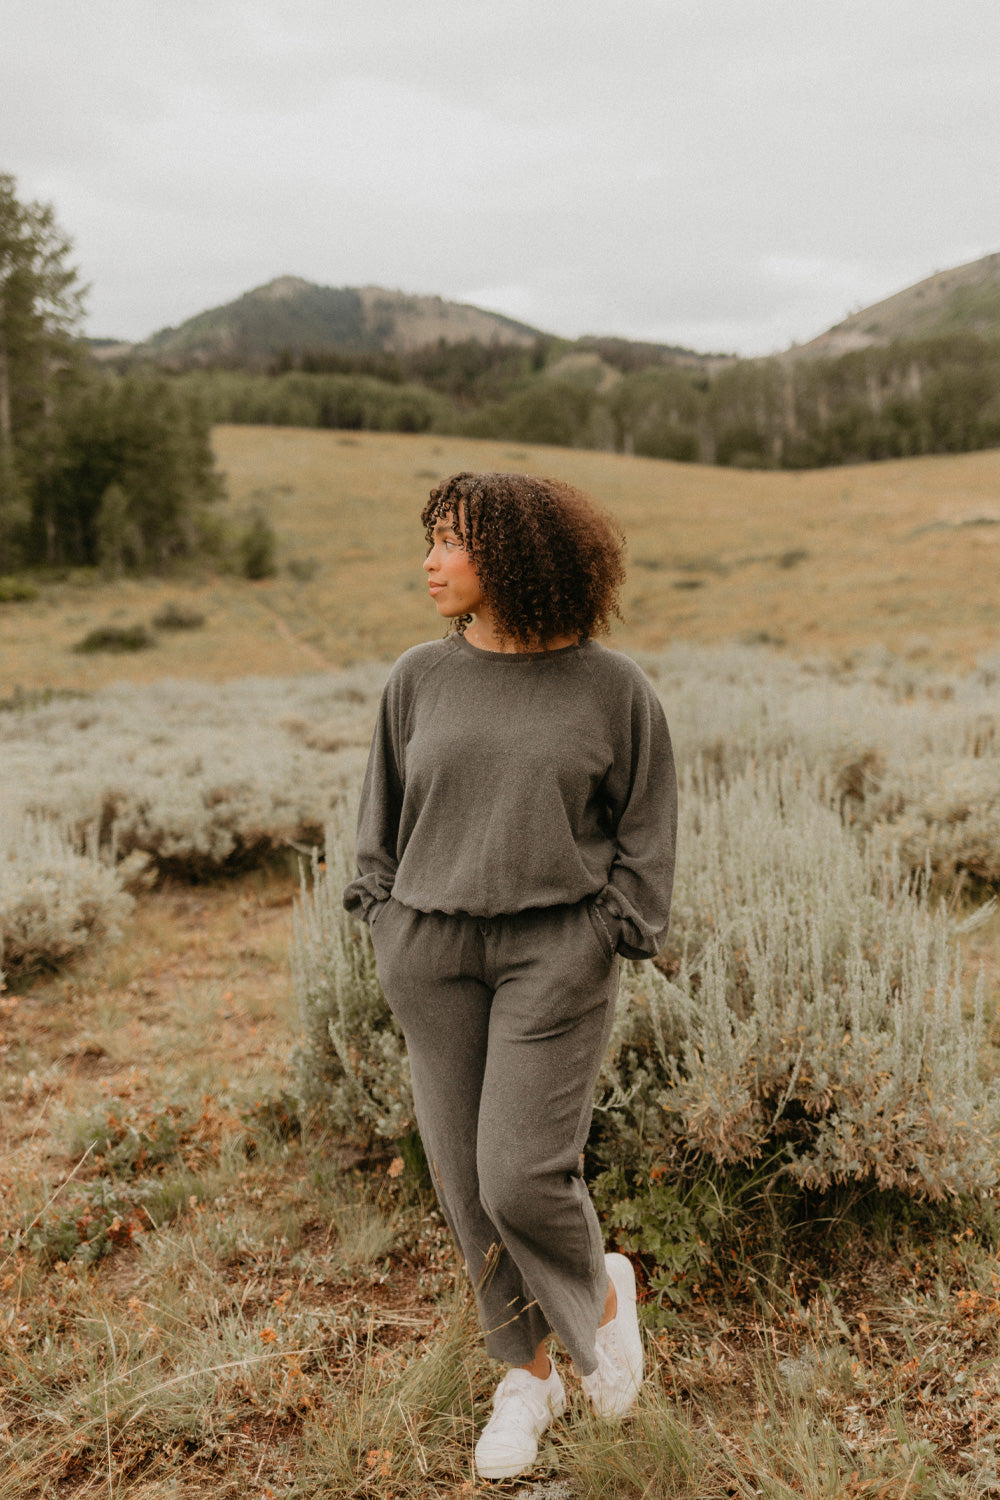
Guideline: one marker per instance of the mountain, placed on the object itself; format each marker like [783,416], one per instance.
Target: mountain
[296,318]
[293,316]
[965,299]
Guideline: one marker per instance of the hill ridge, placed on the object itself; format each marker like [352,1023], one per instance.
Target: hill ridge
[291,314]
[961,299]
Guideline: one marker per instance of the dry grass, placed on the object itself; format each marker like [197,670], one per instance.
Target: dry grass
[900,555]
[195,997]
[283,1324]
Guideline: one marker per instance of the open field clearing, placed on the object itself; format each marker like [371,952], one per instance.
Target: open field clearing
[222,1273]
[901,556]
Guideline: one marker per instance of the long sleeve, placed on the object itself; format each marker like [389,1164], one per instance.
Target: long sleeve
[642,794]
[503,782]
[376,845]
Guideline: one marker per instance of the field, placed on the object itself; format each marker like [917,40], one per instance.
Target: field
[899,556]
[207,1291]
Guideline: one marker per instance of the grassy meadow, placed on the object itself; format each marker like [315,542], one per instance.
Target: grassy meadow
[207,1291]
[901,556]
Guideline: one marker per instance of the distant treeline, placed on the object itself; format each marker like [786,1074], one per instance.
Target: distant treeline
[938,395]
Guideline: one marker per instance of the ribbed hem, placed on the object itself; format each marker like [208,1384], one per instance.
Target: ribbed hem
[515,658]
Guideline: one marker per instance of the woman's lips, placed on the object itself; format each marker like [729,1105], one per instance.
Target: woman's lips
[435,588]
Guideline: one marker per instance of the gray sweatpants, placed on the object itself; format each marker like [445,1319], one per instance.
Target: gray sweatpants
[506,1022]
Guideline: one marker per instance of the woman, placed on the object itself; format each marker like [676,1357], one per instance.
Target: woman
[516,834]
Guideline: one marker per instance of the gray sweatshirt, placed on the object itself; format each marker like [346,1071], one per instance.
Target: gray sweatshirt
[499,782]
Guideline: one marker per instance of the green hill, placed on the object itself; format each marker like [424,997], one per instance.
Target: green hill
[299,321]
[290,316]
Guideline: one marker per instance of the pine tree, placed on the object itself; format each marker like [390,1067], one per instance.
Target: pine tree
[40,306]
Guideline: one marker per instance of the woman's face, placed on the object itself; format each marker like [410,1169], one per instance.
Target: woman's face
[451,576]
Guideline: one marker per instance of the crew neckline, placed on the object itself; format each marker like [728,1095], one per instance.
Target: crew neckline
[518,656]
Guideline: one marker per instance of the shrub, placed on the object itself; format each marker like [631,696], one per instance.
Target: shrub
[352,1061]
[174,616]
[201,777]
[303,569]
[26,698]
[97,1218]
[943,812]
[914,759]
[815,1009]
[16,590]
[54,899]
[126,1139]
[814,1015]
[257,549]
[116,638]
[670,1224]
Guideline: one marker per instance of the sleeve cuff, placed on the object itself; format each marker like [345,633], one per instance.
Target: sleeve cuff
[628,936]
[362,902]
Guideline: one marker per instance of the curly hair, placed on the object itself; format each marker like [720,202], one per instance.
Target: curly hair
[549,561]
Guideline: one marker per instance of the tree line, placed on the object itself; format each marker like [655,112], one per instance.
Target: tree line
[939,395]
[93,470]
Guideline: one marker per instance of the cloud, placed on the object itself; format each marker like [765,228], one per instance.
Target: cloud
[726,172]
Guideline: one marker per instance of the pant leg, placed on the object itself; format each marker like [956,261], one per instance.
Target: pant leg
[556,983]
[431,967]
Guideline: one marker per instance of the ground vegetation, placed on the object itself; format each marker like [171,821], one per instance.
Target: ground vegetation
[223,1269]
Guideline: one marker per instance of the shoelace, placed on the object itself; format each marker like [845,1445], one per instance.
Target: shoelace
[506,1399]
[609,1350]
[612,1366]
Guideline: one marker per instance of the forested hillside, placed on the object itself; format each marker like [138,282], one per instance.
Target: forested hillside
[918,373]
[290,319]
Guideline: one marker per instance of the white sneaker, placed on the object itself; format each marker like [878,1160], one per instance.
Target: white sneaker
[522,1409]
[614,1386]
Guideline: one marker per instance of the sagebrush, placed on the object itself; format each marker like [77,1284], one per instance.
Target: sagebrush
[205,776]
[812,1006]
[55,897]
[202,778]
[808,1006]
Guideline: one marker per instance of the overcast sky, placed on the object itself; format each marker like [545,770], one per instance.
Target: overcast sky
[725,174]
